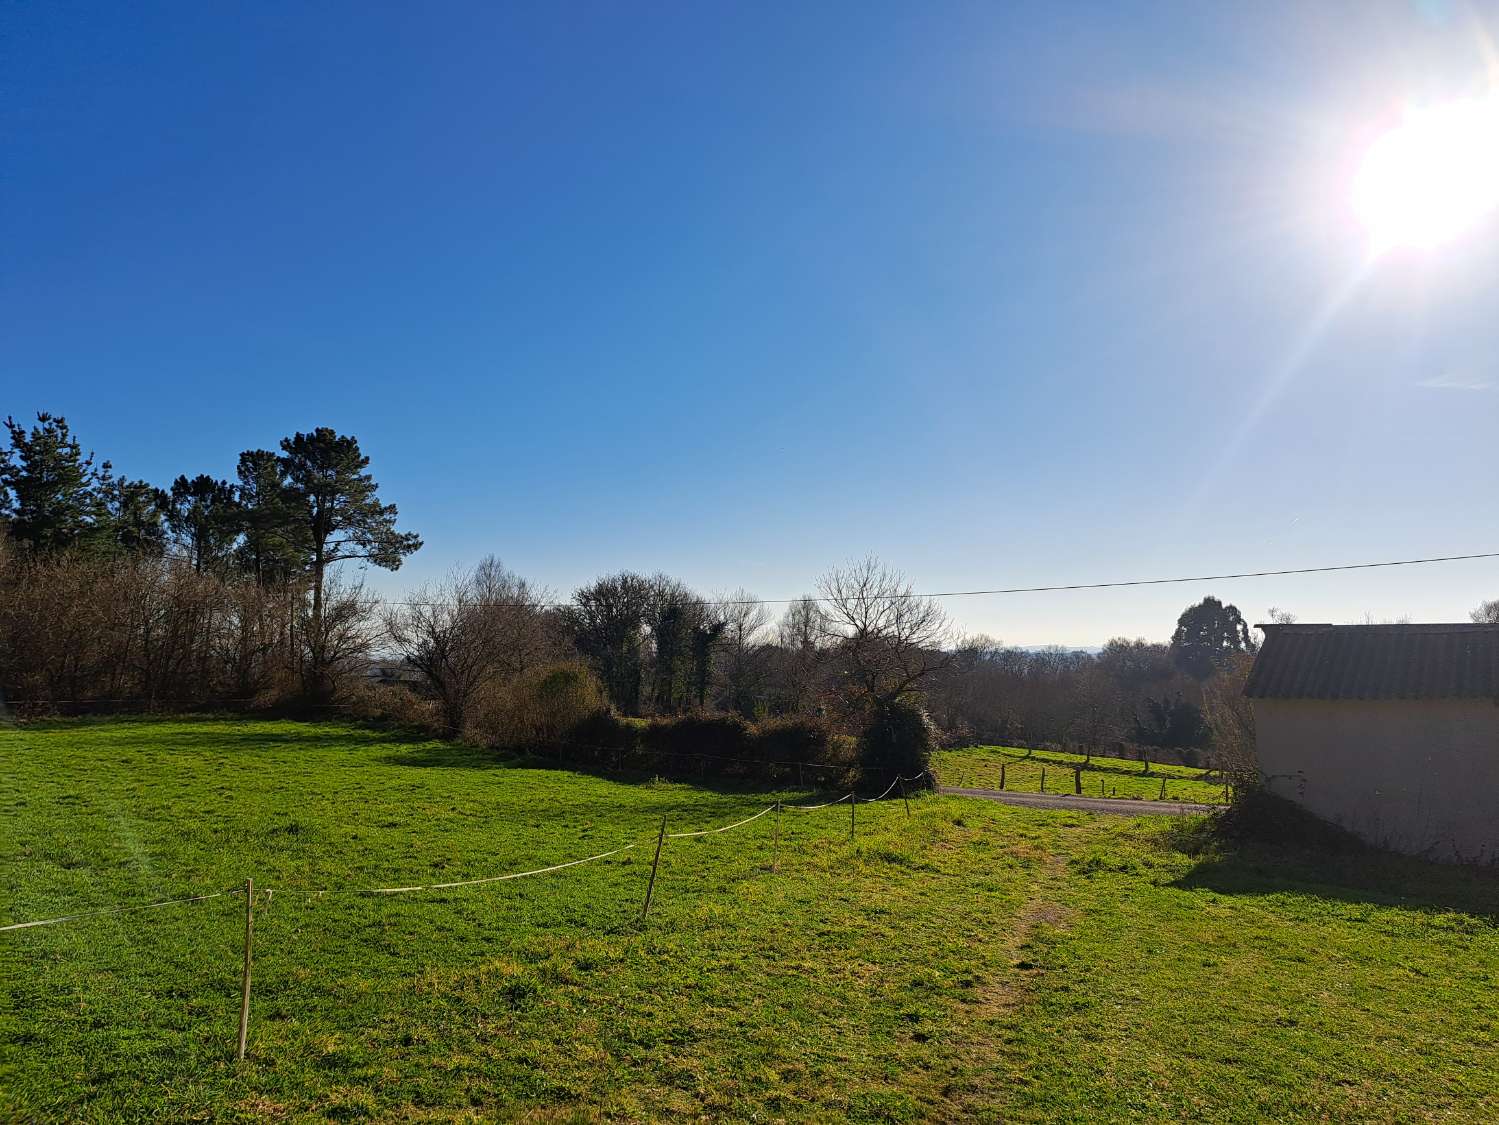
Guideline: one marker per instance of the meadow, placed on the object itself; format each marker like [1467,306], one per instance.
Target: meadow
[968,961]
[1058,771]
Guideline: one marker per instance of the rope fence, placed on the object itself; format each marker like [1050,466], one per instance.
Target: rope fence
[267,893]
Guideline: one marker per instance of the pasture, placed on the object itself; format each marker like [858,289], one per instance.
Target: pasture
[972,961]
[1052,771]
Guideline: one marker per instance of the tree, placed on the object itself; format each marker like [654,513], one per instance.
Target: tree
[1486,614]
[339,632]
[672,614]
[1095,708]
[799,637]
[1206,635]
[49,489]
[1173,723]
[1134,664]
[274,540]
[204,517]
[466,633]
[1229,716]
[745,620]
[888,638]
[132,516]
[336,503]
[607,620]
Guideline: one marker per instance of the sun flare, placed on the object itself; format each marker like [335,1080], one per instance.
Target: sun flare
[1432,177]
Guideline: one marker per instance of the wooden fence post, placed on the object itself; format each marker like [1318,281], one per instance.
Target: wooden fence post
[1001,775]
[853,804]
[903,796]
[1162,797]
[1043,779]
[1077,780]
[651,886]
[775,855]
[244,1000]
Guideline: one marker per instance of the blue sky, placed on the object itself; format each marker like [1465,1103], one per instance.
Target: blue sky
[1004,294]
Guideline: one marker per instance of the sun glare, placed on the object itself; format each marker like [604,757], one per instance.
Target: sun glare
[1432,177]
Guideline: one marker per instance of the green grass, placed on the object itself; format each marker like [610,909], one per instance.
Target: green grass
[973,962]
[978,767]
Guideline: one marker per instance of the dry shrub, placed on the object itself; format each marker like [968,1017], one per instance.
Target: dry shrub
[538,708]
[387,704]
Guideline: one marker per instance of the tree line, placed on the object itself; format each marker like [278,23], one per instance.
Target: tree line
[208,592]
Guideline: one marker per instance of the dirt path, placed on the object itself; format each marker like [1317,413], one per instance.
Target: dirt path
[1116,805]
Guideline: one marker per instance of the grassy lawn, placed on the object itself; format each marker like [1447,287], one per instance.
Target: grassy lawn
[973,962]
[978,767]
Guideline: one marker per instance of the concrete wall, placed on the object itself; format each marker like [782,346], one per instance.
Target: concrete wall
[1415,776]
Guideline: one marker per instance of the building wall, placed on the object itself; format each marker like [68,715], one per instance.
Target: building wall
[1414,776]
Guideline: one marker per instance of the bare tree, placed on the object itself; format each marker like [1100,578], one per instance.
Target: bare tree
[742,649]
[345,633]
[889,638]
[1096,708]
[799,638]
[472,628]
[1230,717]
[1486,614]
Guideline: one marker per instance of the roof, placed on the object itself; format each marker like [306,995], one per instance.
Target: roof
[1376,662]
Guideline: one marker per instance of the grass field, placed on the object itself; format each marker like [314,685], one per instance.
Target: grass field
[973,962]
[978,767]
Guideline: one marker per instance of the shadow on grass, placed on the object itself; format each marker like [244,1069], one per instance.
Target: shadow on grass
[454,755]
[1375,878]
[1266,846]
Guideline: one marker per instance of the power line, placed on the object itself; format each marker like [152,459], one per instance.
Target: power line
[994,592]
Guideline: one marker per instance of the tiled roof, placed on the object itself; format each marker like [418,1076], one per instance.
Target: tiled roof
[1376,662]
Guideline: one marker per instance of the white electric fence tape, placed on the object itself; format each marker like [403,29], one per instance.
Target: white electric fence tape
[813,808]
[120,910]
[725,828]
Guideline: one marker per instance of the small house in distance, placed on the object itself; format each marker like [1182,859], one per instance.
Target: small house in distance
[1391,731]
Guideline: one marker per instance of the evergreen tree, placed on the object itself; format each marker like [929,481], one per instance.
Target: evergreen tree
[205,519]
[133,517]
[335,502]
[50,491]
[1206,635]
[273,546]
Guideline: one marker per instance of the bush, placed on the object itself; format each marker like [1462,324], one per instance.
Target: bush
[539,708]
[899,738]
[687,736]
[386,704]
[795,738]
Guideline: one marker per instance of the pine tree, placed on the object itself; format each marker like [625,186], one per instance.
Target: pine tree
[335,501]
[50,491]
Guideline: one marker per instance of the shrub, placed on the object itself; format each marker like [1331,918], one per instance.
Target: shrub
[686,736]
[795,738]
[539,708]
[387,704]
[899,738]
